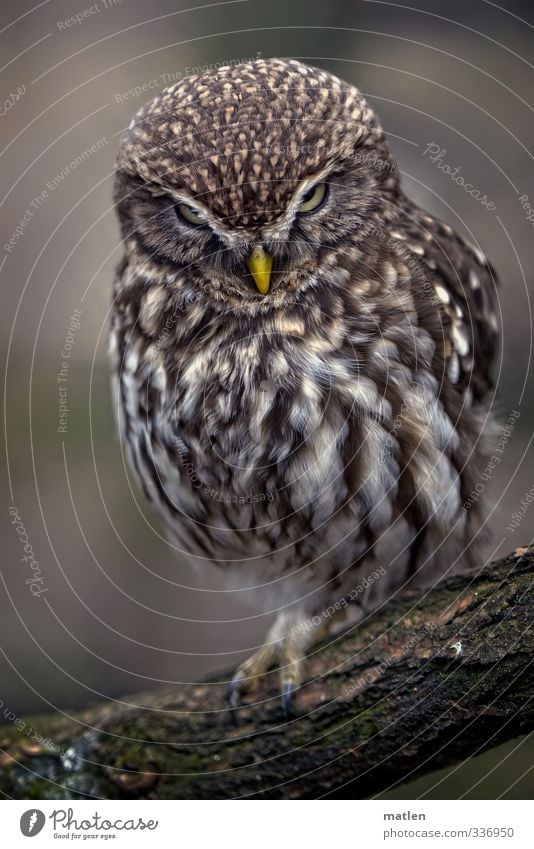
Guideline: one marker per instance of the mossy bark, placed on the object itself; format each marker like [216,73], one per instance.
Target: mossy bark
[421,685]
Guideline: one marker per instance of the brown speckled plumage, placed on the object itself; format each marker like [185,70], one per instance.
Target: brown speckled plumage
[302,438]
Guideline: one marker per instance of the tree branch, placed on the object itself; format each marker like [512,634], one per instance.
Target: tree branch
[421,685]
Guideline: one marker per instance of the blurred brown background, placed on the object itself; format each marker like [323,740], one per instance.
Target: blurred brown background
[121,612]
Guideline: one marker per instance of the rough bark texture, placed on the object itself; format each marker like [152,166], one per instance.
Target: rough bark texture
[396,697]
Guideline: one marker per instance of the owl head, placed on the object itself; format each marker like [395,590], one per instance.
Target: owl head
[243,183]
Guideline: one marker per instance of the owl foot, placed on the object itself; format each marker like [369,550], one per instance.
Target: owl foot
[285,647]
[249,671]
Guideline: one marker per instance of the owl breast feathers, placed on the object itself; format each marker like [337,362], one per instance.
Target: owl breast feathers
[301,355]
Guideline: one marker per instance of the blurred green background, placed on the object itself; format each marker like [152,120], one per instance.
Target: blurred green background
[123,612]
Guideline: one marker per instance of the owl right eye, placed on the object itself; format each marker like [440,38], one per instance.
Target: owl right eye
[189,215]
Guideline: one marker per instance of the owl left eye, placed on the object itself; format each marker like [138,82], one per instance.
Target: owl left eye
[313,199]
[189,215]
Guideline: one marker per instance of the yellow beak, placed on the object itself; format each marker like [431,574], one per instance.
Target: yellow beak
[260,264]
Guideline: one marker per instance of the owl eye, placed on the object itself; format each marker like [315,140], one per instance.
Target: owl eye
[313,199]
[189,215]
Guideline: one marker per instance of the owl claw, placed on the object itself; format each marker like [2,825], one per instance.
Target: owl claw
[233,694]
[287,699]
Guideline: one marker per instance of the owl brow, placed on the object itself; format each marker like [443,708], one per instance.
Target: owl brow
[179,198]
[309,183]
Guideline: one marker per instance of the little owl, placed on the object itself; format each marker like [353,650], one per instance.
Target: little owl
[301,355]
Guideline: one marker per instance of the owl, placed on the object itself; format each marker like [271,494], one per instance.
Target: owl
[301,356]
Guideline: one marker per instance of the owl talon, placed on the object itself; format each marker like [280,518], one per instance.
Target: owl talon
[233,693]
[287,699]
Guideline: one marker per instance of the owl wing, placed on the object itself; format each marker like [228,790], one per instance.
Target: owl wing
[465,286]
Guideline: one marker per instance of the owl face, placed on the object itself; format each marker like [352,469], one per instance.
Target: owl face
[243,180]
